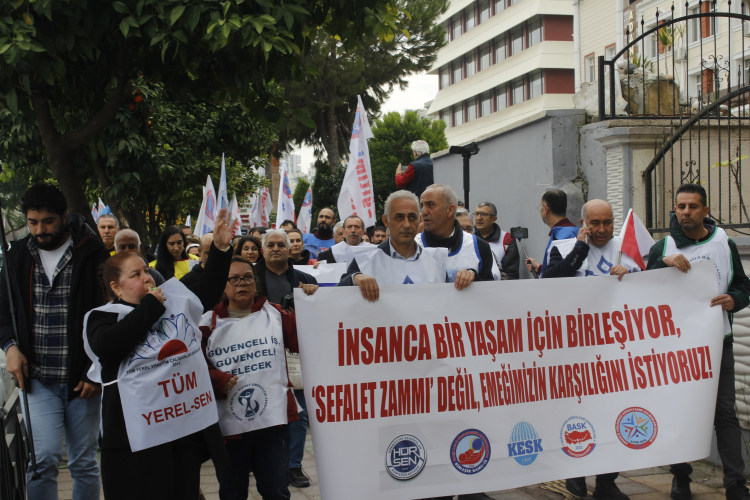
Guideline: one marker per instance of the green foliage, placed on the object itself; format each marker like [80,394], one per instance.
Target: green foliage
[328,93]
[392,145]
[326,188]
[299,194]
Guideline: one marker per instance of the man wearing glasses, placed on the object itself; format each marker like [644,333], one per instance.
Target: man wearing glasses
[503,246]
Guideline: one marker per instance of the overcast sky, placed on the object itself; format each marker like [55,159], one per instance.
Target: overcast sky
[422,88]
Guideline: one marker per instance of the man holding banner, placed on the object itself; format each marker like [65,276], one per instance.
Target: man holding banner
[398,260]
[693,237]
[593,253]
[469,258]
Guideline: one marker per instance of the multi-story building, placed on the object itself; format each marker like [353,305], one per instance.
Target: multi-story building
[606,26]
[506,62]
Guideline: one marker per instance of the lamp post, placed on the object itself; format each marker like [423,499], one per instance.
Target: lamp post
[466,152]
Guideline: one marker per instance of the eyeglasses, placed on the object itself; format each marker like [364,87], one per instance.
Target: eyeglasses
[482,214]
[248,280]
[469,229]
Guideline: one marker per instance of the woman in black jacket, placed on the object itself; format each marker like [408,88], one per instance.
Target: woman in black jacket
[170,470]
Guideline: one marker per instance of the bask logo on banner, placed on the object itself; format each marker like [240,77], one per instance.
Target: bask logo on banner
[441,392]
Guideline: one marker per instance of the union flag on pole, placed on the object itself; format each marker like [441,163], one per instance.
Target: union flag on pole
[636,240]
[304,222]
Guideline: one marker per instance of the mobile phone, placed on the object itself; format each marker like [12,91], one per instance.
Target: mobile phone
[519,232]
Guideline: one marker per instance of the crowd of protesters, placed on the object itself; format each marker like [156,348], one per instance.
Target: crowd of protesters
[88,300]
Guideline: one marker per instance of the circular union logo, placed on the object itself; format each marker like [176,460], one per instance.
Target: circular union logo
[525,444]
[470,451]
[405,457]
[578,437]
[636,428]
[248,402]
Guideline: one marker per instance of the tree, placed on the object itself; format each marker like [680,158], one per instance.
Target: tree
[68,65]
[329,91]
[326,188]
[392,145]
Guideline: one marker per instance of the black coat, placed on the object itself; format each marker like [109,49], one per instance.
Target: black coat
[112,341]
[85,291]
[293,276]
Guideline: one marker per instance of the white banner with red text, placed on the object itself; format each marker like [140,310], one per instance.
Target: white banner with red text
[431,391]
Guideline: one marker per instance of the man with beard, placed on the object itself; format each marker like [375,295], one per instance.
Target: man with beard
[354,228]
[108,226]
[53,276]
[278,278]
[503,246]
[128,240]
[322,239]
[695,238]
[470,258]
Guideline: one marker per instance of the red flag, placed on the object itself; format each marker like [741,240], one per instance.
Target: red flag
[636,240]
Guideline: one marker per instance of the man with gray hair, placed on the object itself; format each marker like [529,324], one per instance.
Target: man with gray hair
[338,232]
[276,271]
[128,240]
[470,258]
[418,174]
[108,225]
[398,260]
[504,247]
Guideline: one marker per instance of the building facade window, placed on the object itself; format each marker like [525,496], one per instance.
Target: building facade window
[470,17]
[519,90]
[499,6]
[516,40]
[485,57]
[588,64]
[471,64]
[500,48]
[458,114]
[457,25]
[485,101]
[457,70]
[447,26]
[445,77]
[501,97]
[536,84]
[535,31]
[484,11]
[445,115]
[513,2]
[471,109]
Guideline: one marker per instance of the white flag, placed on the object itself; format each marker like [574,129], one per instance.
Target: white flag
[95,213]
[254,218]
[234,208]
[188,221]
[101,208]
[356,197]
[265,207]
[285,204]
[222,199]
[205,223]
[304,223]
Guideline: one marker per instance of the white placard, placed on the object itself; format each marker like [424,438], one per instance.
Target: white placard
[325,274]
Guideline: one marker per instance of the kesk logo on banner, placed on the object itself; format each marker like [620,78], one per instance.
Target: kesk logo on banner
[567,379]
[356,196]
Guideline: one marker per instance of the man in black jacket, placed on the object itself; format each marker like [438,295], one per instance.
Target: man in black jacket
[469,258]
[504,247]
[53,274]
[419,174]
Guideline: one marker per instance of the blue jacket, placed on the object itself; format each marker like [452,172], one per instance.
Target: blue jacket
[558,233]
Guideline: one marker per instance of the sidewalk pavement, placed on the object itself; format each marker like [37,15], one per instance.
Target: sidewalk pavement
[643,484]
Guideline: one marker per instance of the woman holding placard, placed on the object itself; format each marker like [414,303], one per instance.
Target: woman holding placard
[246,337]
[159,417]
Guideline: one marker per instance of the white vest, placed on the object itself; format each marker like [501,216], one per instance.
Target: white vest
[342,252]
[252,348]
[716,249]
[465,257]
[165,389]
[430,267]
[498,248]
[599,260]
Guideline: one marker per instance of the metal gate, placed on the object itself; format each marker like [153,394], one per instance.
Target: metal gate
[699,92]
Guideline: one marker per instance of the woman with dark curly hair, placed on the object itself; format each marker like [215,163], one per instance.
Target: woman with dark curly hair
[171,259]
